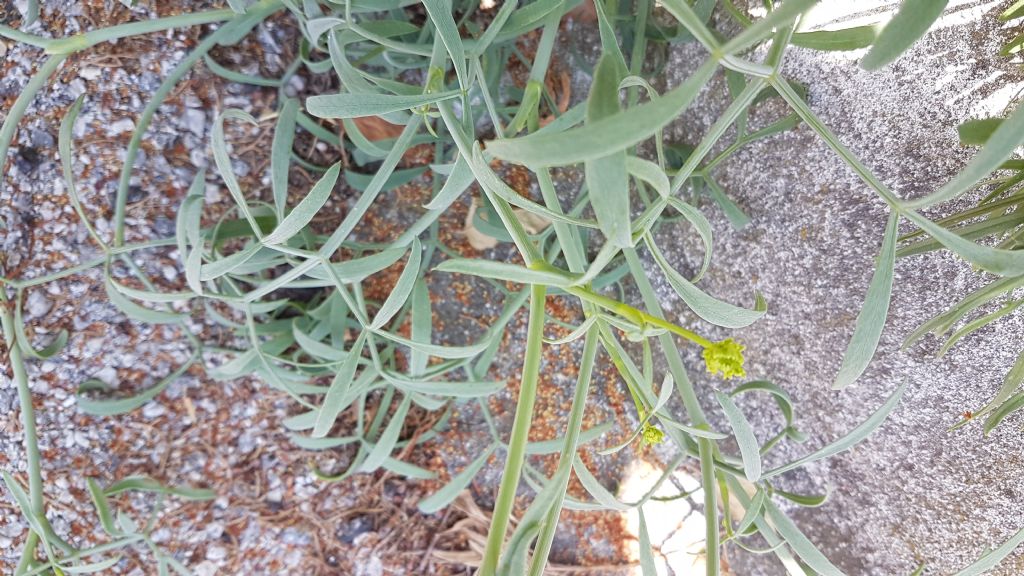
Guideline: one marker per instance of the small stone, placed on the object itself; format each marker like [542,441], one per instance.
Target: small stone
[108,375]
[170,273]
[354,529]
[214,530]
[12,530]
[198,158]
[372,566]
[213,193]
[42,139]
[206,568]
[195,121]
[136,193]
[37,304]
[164,226]
[28,159]
[216,553]
[93,346]
[90,73]
[153,410]
[121,126]
[76,88]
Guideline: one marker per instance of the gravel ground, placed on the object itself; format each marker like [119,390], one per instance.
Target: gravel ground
[271,515]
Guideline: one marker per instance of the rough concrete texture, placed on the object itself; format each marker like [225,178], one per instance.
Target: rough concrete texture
[915,492]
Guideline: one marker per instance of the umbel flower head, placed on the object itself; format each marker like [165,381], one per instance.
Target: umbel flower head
[652,435]
[725,358]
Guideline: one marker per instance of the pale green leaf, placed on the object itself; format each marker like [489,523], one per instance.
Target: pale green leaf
[871,319]
[750,450]
[911,21]
[458,483]
[302,214]
[360,105]
[403,287]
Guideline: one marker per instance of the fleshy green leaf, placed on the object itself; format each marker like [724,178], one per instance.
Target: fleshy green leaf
[992,558]
[298,218]
[846,39]
[334,399]
[745,438]
[602,137]
[862,431]
[386,443]
[709,308]
[977,132]
[910,23]
[803,547]
[458,483]
[403,287]
[507,272]
[359,105]
[871,318]
[1006,138]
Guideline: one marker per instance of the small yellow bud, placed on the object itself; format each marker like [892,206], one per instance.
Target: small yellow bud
[652,435]
[725,358]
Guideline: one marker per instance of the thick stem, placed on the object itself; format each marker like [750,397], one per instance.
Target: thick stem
[707,472]
[668,345]
[520,432]
[565,459]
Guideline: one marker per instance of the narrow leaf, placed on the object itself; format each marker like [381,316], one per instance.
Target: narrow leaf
[999,146]
[333,400]
[360,105]
[602,137]
[992,558]
[871,319]
[832,40]
[403,287]
[803,547]
[281,153]
[910,23]
[711,309]
[386,443]
[298,218]
[458,483]
[862,431]
[750,451]
[977,132]
[507,272]
[647,565]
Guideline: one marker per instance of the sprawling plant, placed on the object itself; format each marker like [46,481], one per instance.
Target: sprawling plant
[443,82]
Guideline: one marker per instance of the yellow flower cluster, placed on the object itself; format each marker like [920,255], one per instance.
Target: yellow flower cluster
[725,358]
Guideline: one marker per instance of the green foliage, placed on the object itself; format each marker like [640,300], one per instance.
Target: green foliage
[442,82]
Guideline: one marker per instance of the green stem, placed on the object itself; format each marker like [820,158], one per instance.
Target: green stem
[577,263]
[668,345]
[88,39]
[28,423]
[707,473]
[520,433]
[565,458]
